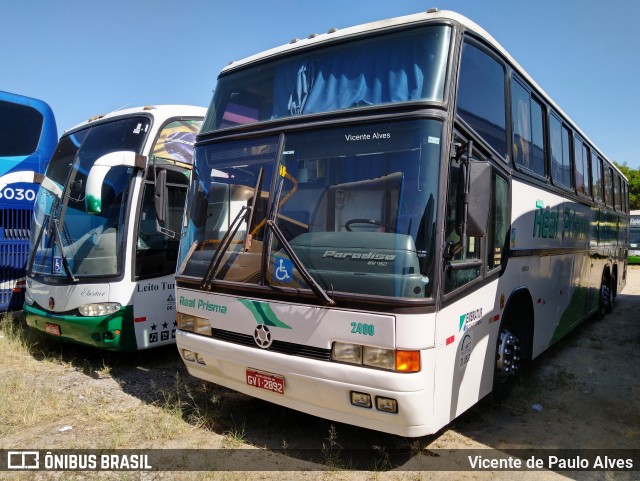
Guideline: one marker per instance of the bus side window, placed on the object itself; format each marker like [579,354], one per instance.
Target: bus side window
[481,103]
[560,153]
[499,221]
[596,177]
[156,253]
[457,273]
[528,131]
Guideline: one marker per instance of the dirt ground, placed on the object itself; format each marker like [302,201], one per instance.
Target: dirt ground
[583,393]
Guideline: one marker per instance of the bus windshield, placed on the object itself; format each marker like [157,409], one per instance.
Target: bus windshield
[355,204]
[70,239]
[401,67]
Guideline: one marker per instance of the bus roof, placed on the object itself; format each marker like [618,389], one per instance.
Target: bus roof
[334,35]
[38,104]
[160,112]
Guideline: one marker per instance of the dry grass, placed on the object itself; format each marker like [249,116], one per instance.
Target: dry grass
[40,385]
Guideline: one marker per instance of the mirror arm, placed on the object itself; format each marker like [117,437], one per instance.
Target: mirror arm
[465,196]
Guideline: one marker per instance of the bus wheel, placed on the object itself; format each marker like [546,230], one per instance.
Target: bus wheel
[507,363]
[605,305]
[613,291]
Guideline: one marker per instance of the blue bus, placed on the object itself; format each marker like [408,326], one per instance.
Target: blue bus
[28,138]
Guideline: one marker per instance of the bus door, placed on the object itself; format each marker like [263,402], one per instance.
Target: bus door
[159,230]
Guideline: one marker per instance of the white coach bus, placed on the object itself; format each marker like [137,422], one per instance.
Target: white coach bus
[106,229]
[384,221]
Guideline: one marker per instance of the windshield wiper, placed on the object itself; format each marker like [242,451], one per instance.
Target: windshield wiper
[51,224]
[65,263]
[317,289]
[210,275]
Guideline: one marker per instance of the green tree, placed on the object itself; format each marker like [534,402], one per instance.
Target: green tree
[634,184]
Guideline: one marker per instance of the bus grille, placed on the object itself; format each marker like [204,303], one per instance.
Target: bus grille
[280,347]
[15,228]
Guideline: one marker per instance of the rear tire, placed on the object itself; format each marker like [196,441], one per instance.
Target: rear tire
[614,291]
[605,305]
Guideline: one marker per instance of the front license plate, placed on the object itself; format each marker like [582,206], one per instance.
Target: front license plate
[265,380]
[52,329]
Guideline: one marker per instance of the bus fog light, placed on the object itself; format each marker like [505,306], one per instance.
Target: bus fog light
[99,309]
[200,359]
[345,352]
[386,404]
[361,399]
[197,325]
[377,357]
[188,355]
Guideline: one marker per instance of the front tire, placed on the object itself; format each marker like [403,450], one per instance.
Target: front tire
[508,348]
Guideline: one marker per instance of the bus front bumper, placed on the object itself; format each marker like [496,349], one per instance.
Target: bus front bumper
[319,388]
[110,332]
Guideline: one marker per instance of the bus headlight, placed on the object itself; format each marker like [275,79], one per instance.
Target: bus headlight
[99,309]
[345,352]
[390,359]
[197,325]
[377,357]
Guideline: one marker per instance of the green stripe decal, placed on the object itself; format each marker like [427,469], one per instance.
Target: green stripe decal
[582,301]
[263,314]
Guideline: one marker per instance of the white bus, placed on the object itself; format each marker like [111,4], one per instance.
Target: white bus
[383,221]
[106,229]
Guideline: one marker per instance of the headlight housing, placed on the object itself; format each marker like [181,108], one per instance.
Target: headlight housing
[99,309]
[345,352]
[369,356]
[195,324]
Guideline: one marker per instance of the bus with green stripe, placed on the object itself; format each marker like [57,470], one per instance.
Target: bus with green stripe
[386,220]
[634,237]
[106,229]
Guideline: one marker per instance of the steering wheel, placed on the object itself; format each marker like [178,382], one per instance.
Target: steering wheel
[348,224]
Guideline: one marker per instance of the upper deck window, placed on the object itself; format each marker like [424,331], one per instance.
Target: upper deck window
[20,128]
[400,67]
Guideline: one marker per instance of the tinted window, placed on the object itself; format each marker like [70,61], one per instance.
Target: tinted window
[528,136]
[481,96]
[608,186]
[499,221]
[406,66]
[596,177]
[459,272]
[581,157]
[20,128]
[586,162]
[537,137]
[176,140]
[65,155]
[156,253]
[560,153]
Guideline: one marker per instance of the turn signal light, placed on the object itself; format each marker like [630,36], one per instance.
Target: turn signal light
[408,361]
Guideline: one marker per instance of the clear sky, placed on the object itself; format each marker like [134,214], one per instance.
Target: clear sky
[88,57]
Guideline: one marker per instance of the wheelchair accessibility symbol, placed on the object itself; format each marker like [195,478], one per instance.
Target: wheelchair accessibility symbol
[57,265]
[283,269]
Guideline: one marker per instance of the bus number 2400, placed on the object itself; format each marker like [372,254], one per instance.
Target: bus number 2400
[360,328]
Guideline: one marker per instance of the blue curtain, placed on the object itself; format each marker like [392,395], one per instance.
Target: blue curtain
[366,73]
